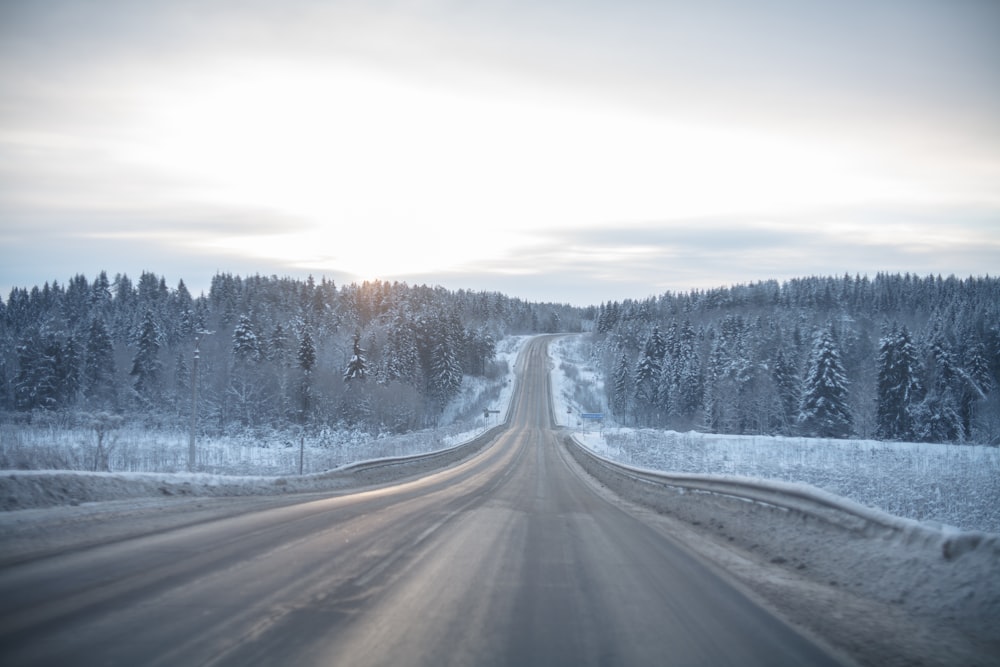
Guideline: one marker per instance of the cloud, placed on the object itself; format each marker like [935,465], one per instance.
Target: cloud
[501,144]
[587,266]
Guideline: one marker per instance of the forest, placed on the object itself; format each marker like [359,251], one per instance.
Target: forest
[895,357]
[254,352]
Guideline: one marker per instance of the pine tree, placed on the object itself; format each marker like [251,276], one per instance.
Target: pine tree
[687,388]
[36,384]
[824,409]
[647,373]
[898,389]
[446,373]
[146,363]
[621,399]
[69,378]
[357,367]
[402,356]
[975,382]
[307,361]
[786,380]
[246,344]
[307,352]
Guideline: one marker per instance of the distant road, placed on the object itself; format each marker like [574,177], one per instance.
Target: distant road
[510,558]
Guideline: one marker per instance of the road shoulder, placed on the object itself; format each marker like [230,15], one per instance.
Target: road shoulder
[853,626]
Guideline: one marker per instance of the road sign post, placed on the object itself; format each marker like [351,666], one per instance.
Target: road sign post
[486,417]
[592,416]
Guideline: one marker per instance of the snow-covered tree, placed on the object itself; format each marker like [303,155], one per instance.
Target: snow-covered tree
[357,367]
[621,398]
[307,361]
[36,384]
[647,374]
[898,390]
[823,411]
[402,358]
[99,365]
[787,383]
[307,352]
[446,373]
[146,363]
[246,344]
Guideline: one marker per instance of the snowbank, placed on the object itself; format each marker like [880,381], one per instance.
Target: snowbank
[938,484]
[365,461]
[935,573]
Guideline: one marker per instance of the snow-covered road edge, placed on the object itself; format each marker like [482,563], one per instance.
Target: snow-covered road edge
[940,575]
[813,502]
[33,489]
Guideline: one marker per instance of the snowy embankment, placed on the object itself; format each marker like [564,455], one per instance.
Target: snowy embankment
[955,485]
[150,464]
[884,589]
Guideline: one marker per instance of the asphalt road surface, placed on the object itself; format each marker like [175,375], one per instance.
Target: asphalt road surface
[509,558]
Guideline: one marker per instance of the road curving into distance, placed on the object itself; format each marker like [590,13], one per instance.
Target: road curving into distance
[509,558]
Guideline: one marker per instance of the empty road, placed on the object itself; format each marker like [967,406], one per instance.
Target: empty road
[509,558]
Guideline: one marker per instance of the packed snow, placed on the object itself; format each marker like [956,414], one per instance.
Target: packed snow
[955,485]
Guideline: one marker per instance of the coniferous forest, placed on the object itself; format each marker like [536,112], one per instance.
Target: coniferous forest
[380,357]
[895,357]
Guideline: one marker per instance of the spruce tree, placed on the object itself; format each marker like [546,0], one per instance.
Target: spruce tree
[246,344]
[620,396]
[36,384]
[146,362]
[307,361]
[647,373]
[786,380]
[898,389]
[307,352]
[357,367]
[446,373]
[824,409]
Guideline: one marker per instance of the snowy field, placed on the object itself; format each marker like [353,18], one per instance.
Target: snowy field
[258,452]
[955,485]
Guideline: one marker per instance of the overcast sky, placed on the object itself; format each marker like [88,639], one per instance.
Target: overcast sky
[573,151]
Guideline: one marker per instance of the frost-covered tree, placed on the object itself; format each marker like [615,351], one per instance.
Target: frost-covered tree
[621,398]
[307,352]
[69,378]
[307,361]
[446,373]
[899,390]
[647,374]
[824,411]
[787,383]
[246,344]
[146,363]
[402,358]
[357,367]
[686,384]
[99,365]
[975,381]
[36,385]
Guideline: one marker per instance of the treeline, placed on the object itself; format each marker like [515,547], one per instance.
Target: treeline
[270,351]
[895,357]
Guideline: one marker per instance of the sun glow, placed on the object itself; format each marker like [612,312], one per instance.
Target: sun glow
[387,178]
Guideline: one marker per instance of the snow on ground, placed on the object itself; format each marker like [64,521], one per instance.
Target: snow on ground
[956,485]
[924,594]
[153,463]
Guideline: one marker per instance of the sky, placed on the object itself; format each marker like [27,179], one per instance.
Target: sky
[575,152]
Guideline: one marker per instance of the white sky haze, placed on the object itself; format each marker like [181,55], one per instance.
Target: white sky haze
[563,151]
